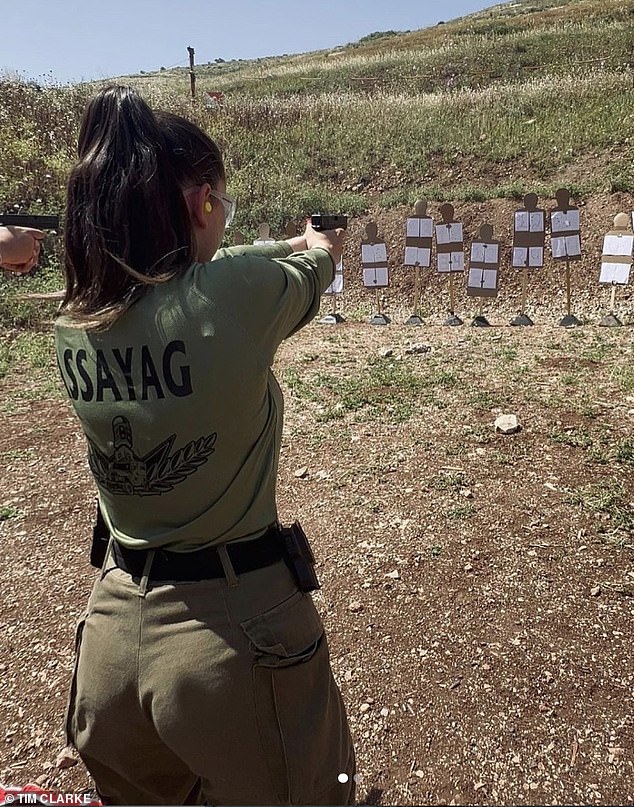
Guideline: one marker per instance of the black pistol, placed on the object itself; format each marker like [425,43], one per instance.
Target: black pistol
[37,222]
[327,221]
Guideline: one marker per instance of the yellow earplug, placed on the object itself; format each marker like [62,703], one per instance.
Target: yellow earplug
[208,207]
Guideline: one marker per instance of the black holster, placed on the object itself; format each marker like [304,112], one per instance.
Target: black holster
[100,541]
[299,557]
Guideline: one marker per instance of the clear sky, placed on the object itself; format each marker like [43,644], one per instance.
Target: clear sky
[73,40]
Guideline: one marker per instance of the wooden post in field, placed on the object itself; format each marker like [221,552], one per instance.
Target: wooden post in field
[568,290]
[192,75]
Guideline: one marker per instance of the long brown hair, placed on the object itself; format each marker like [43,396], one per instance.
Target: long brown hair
[127,223]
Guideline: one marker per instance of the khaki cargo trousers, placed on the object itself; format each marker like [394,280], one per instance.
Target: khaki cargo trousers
[217,691]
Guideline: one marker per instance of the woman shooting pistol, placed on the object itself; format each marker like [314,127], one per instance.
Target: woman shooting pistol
[202,671]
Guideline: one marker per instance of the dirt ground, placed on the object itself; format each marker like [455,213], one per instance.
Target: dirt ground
[477,588]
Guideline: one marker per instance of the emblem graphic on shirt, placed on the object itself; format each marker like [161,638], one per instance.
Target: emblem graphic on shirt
[156,472]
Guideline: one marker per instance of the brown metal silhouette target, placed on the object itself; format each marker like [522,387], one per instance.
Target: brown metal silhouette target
[484,266]
[375,268]
[450,254]
[419,236]
[565,244]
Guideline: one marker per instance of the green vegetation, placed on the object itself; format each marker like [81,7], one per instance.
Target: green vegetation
[598,443]
[578,438]
[460,512]
[28,350]
[489,106]
[382,385]
[7,512]
[608,499]
[625,377]
[525,82]
[449,481]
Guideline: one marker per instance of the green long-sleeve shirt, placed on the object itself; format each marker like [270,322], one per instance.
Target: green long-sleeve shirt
[181,411]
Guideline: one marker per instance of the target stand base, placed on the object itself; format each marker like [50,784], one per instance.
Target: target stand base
[331,319]
[480,322]
[611,321]
[379,319]
[570,321]
[453,320]
[522,319]
[414,320]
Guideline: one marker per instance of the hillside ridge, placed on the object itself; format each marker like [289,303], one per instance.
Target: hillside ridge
[523,97]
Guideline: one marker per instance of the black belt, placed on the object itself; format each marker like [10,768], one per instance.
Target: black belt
[203,564]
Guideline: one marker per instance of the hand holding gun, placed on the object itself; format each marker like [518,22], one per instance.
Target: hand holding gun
[327,232]
[20,241]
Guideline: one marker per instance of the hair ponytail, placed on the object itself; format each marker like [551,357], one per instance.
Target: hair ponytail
[127,223]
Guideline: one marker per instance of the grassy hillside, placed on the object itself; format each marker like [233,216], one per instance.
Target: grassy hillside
[511,42]
[524,96]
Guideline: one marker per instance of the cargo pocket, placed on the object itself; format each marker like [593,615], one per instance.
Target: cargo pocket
[287,634]
[70,705]
[300,716]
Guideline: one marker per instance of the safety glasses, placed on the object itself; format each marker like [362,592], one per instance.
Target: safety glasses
[229,204]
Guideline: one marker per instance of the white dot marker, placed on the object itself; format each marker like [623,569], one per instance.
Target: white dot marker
[343,778]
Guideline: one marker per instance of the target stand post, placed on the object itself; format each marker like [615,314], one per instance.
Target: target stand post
[452,319]
[419,237]
[334,290]
[376,273]
[484,265]
[415,319]
[611,320]
[569,320]
[529,237]
[450,255]
[522,318]
[379,318]
[480,321]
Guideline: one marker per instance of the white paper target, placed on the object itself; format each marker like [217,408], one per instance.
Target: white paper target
[420,228]
[417,256]
[376,278]
[618,244]
[336,287]
[449,233]
[529,221]
[482,278]
[450,261]
[484,253]
[374,253]
[615,273]
[566,246]
[528,256]
[561,222]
